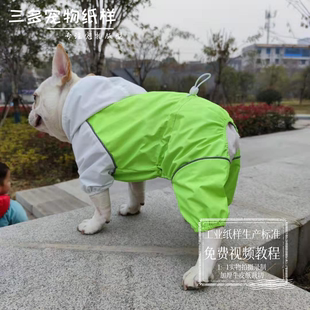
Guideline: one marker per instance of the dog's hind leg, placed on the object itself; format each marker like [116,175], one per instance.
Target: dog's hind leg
[136,199]
[204,189]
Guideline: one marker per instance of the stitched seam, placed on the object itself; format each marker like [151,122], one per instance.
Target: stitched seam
[103,147]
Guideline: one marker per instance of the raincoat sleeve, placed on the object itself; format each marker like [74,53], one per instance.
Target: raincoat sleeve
[95,165]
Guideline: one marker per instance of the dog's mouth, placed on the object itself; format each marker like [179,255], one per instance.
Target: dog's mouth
[38,121]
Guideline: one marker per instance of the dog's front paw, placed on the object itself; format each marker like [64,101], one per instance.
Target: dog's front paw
[126,209]
[191,279]
[91,226]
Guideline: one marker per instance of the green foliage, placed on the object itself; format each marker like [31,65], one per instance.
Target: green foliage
[300,84]
[236,85]
[269,96]
[274,77]
[31,154]
[187,82]
[246,84]
[152,84]
[230,83]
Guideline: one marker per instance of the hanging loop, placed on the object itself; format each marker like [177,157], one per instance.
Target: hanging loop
[195,89]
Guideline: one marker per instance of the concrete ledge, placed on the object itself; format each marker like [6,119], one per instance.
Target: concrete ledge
[48,200]
[134,263]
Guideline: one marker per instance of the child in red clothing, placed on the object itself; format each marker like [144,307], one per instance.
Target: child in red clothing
[11,212]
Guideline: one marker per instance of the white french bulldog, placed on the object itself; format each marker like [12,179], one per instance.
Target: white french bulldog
[46,116]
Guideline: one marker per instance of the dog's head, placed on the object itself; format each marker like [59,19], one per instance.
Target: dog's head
[49,98]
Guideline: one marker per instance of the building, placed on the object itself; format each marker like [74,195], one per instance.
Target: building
[288,55]
[235,63]
[305,41]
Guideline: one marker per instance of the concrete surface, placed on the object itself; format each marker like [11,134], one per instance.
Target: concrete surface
[137,262]
[302,122]
[303,116]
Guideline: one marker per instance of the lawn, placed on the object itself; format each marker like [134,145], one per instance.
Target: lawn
[303,108]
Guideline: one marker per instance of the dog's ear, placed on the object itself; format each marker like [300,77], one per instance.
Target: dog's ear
[61,64]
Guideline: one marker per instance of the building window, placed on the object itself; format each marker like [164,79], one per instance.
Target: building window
[259,50]
[303,62]
[267,61]
[293,52]
[278,51]
[305,52]
[277,61]
[258,61]
[268,50]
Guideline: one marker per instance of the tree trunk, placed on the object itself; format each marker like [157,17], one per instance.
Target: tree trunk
[225,95]
[15,98]
[302,91]
[214,93]
[100,64]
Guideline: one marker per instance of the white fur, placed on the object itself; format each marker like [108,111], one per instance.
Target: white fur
[51,96]
[136,199]
[194,277]
[101,216]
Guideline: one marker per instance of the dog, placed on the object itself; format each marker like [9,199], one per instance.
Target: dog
[120,131]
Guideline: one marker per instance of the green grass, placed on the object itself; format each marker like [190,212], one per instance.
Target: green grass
[303,108]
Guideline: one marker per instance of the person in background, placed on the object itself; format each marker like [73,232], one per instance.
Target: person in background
[11,212]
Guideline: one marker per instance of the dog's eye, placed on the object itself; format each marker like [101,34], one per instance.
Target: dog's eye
[34,97]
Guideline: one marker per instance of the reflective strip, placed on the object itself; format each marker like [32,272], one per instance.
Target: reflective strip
[103,147]
[202,158]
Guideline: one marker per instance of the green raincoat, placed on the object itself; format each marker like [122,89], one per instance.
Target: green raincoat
[170,135]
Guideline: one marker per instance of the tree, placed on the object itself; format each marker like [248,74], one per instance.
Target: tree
[304,83]
[152,84]
[246,83]
[149,48]
[269,96]
[230,84]
[25,44]
[218,51]
[116,12]
[303,9]
[274,77]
